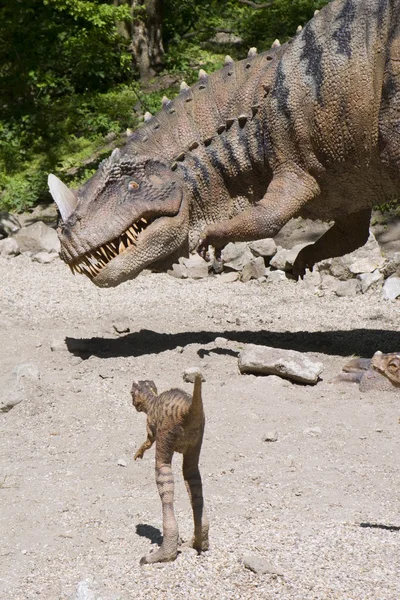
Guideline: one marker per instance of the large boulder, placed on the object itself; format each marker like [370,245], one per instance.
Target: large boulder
[37,238]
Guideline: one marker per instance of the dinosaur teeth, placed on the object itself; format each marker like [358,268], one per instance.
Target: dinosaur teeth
[121,247]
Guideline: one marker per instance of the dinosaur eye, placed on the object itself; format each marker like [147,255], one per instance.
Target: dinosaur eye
[132,185]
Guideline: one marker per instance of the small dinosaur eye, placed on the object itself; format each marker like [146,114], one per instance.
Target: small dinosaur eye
[132,185]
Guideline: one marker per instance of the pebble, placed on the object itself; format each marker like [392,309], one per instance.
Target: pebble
[270,436]
[259,565]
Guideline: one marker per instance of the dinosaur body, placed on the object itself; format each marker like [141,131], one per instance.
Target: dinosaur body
[307,129]
[175,421]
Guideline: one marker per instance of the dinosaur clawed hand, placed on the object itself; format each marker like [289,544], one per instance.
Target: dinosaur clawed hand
[304,260]
[203,246]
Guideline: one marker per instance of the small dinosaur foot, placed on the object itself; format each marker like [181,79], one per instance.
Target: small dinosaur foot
[160,555]
[206,240]
[304,260]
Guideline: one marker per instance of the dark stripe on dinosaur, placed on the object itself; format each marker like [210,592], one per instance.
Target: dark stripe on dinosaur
[193,184]
[381,11]
[215,160]
[229,149]
[201,167]
[280,92]
[312,54]
[343,33]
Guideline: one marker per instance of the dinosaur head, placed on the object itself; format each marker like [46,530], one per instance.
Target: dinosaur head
[142,393]
[388,365]
[130,215]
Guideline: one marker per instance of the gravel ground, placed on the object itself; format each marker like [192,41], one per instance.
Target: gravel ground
[319,507]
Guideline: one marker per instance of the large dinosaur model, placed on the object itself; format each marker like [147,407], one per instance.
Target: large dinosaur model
[310,129]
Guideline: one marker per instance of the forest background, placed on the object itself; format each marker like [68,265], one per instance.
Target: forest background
[75,74]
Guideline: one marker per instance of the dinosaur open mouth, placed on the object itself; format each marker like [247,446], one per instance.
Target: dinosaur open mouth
[93,262]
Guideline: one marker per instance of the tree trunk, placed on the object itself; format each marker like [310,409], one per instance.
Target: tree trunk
[147,46]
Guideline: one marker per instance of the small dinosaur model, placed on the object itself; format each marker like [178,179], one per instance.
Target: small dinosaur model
[310,128]
[175,421]
[380,373]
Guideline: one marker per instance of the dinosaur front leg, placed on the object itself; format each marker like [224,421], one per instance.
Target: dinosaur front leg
[347,234]
[145,446]
[165,484]
[287,193]
[192,477]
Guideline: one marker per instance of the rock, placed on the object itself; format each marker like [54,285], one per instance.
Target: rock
[312,431]
[391,288]
[366,259]
[229,277]
[37,238]
[370,281]
[259,565]
[9,247]
[44,258]
[19,385]
[179,271]
[289,364]
[189,374]
[270,436]
[84,591]
[265,248]
[197,267]
[121,462]
[284,259]
[254,269]
[275,275]
[221,342]
[9,224]
[349,288]
[236,255]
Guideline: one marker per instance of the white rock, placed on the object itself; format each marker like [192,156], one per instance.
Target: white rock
[254,269]
[189,375]
[391,288]
[259,565]
[266,247]
[9,247]
[370,280]
[236,255]
[289,364]
[229,277]
[37,238]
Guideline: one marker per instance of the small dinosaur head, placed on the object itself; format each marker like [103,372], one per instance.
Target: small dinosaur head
[131,214]
[388,365]
[142,392]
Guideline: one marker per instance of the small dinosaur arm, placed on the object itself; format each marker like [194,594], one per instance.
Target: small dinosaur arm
[310,128]
[175,422]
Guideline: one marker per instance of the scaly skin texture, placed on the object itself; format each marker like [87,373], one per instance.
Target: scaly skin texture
[380,373]
[308,129]
[175,421]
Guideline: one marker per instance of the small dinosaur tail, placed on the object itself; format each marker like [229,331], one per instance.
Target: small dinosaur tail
[196,408]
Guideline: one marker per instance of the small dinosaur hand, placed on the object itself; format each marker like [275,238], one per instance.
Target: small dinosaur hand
[139,454]
[304,260]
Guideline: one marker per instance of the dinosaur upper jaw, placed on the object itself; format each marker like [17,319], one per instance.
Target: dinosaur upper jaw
[146,242]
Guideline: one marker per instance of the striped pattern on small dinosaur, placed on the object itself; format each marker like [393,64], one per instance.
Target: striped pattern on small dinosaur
[175,422]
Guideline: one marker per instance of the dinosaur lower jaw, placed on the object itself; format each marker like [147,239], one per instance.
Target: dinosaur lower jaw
[92,263]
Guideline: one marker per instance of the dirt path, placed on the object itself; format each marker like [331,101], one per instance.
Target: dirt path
[320,505]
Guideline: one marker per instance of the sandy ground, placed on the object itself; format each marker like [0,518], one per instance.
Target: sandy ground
[320,505]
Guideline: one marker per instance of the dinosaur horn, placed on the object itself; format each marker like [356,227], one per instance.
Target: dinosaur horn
[148,116]
[65,198]
[299,28]
[165,100]
[202,74]
[276,44]
[184,86]
[252,52]
[316,12]
[228,60]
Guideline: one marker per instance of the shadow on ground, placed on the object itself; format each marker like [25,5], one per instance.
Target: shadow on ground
[359,342]
[151,533]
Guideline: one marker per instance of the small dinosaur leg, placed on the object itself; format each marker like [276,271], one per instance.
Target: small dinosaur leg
[287,193]
[347,234]
[192,477]
[165,484]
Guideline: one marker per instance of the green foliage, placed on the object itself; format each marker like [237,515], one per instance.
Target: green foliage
[66,78]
